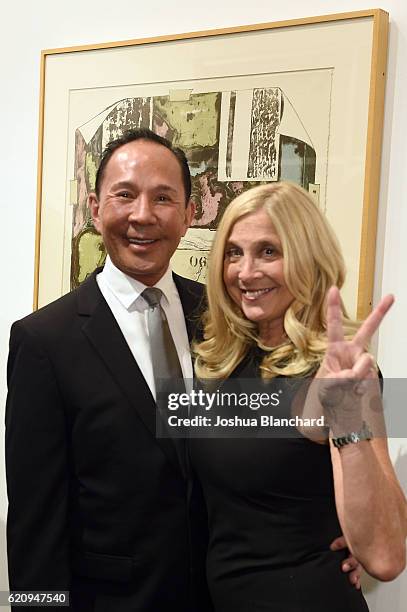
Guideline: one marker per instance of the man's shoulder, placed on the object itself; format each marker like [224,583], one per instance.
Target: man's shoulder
[191,286]
[58,313]
[192,295]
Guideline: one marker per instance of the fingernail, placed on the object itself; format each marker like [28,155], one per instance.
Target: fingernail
[346,567]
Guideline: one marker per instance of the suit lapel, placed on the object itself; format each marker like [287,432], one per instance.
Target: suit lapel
[105,335]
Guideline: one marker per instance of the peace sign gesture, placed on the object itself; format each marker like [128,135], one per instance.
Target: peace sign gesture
[346,363]
[348,359]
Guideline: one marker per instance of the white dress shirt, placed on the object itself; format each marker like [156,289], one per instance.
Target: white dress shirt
[129,308]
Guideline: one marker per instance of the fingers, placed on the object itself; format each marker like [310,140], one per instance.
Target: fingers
[334,316]
[350,565]
[368,328]
[357,583]
[354,570]
[338,543]
[354,577]
[362,368]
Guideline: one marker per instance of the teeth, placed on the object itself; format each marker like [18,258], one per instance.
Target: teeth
[256,293]
[140,241]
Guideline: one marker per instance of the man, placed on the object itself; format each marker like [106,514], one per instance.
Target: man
[99,505]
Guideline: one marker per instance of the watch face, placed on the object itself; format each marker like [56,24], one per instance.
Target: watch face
[354,437]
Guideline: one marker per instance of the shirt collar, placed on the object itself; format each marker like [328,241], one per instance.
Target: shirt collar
[128,290]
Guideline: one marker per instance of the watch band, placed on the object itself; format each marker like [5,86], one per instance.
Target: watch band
[353,437]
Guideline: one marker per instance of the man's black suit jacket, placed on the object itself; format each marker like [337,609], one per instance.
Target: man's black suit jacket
[97,504]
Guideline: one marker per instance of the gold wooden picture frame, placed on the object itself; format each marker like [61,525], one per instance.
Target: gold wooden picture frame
[301,100]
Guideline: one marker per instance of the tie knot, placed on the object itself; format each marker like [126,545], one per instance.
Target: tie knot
[152,296]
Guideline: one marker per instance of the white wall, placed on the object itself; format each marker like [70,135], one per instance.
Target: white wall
[27,27]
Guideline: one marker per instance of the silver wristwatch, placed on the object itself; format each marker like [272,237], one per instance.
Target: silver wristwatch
[353,437]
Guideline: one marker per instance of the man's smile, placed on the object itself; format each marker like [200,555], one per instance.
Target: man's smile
[142,241]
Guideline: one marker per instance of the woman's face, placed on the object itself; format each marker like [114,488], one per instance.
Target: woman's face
[253,274]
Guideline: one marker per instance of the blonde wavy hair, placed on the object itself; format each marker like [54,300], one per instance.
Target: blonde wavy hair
[312,263]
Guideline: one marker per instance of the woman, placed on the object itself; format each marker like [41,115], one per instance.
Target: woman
[275,505]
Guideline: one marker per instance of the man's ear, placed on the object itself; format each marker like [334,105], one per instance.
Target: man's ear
[93,204]
[189,215]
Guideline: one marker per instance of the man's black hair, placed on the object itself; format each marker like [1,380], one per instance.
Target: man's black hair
[144,134]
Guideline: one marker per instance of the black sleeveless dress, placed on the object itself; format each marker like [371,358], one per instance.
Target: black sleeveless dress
[272,517]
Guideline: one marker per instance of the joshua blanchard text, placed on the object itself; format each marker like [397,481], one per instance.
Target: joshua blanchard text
[262,421]
[269,421]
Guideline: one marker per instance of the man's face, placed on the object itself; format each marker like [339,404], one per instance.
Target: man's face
[141,211]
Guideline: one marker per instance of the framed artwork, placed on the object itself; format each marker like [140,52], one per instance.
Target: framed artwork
[296,100]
